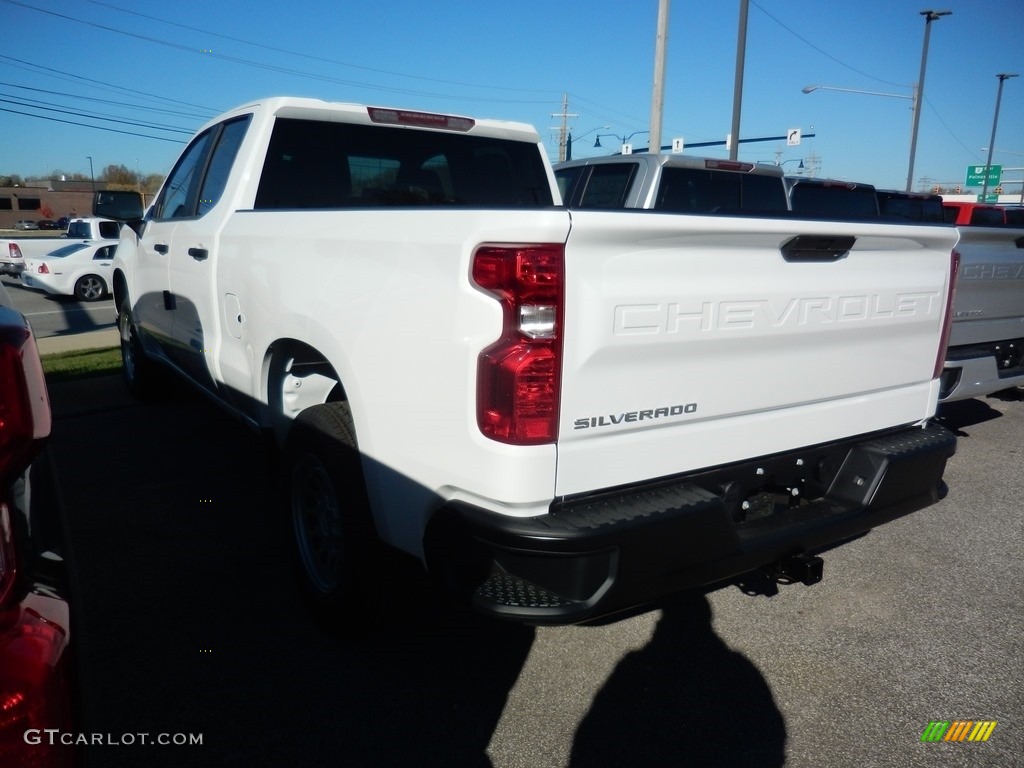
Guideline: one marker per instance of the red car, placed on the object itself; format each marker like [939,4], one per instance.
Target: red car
[973,214]
[37,675]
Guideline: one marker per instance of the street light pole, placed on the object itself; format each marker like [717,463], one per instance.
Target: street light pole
[913,98]
[570,139]
[929,17]
[92,174]
[622,139]
[992,142]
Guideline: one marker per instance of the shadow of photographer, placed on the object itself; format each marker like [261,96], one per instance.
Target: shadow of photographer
[683,699]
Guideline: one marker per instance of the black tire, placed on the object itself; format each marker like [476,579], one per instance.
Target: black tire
[137,370]
[329,514]
[90,288]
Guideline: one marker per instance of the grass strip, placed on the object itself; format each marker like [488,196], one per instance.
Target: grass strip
[81,364]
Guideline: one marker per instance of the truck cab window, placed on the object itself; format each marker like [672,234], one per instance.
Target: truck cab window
[181,186]
[228,142]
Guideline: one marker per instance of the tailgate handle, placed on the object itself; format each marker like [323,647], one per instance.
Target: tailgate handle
[199,254]
[161,248]
[817,247]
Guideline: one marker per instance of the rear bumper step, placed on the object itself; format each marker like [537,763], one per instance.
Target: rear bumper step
[610,551]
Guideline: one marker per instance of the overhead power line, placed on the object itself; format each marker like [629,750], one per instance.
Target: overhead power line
[87,125]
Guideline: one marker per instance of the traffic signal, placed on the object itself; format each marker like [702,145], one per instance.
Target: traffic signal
[958,189]
[935,189]
[999,190]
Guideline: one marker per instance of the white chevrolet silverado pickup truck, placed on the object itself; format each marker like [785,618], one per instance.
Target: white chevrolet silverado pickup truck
[563,414]
[14,253]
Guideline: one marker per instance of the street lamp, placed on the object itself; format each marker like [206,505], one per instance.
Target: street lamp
[812,88]
[622,139]
[929,17]
[92,174]
[914,99]
[995,121]
[570,139]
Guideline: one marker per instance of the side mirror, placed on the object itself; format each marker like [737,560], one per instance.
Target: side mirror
[120,205]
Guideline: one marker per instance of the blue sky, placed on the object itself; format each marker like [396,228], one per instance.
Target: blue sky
[156,66]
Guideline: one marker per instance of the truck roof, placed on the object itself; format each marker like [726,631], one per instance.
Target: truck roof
[679,161]
[350,112]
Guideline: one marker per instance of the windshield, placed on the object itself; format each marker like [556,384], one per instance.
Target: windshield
[67,250]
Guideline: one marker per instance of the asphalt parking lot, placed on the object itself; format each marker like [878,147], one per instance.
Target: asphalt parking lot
[193,625]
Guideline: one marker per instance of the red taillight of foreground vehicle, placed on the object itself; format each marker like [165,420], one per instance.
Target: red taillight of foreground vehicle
[519,376]
[24,407]
[43,269]
[947,322]
[34,684]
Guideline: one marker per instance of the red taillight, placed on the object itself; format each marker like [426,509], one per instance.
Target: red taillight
[34,684]
[518,377]
[14,250]
[24,407]
[947,322]
[43,269]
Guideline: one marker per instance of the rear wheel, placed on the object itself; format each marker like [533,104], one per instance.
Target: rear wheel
[137,370]
[326,498]
[90,288]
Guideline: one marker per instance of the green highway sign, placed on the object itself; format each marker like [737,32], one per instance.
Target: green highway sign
[976,175]
[991,197]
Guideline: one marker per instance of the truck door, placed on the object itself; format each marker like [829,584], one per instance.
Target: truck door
[154,304]
[195,325]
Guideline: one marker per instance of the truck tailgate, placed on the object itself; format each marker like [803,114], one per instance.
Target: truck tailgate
[693,341]
[989,295]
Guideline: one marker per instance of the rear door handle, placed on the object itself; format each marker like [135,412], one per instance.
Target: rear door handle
[161,248]
[817,247]
[199,254]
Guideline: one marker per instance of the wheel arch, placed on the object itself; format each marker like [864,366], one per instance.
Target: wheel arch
[119,288]
[286,360]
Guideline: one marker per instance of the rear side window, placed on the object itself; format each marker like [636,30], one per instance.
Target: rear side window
[987,217]
[109,230]
[927,210]
[608,185]
[1015,217]
[693,190]
[834,200]
[312,164]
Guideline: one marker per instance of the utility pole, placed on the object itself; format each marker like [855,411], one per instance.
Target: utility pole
[929,17]
[737,92]
[658,89]
[563,129]
[1003,77]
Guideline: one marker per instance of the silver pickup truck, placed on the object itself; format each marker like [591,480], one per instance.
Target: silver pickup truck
[986,346]
[986,343]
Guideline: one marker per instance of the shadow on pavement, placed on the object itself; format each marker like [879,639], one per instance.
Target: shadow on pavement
[194,624]
[965,413]
[683,699]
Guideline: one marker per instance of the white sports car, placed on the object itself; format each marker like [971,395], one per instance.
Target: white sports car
[83,270]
